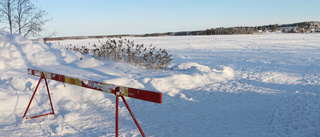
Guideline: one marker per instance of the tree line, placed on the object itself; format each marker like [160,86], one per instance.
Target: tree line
[301,27]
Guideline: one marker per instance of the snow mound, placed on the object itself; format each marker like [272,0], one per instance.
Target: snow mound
[18,52]
[193,76]
[89,63]
[191,66]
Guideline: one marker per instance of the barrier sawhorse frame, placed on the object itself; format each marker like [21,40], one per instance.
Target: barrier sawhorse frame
[51,113]
[118,91]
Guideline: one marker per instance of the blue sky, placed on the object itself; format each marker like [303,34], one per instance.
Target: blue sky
[110,17]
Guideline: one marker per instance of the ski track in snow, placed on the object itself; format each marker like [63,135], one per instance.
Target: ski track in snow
[231,85]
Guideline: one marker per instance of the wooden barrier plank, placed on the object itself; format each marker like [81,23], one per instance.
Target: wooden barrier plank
[145,95]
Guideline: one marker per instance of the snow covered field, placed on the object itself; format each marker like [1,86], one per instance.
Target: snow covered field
[231,85]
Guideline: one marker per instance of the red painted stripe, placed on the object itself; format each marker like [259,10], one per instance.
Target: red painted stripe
[40,115]
[151,96]
[58,77]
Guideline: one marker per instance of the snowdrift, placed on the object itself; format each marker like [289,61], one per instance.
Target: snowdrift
[18,52]
[193,76]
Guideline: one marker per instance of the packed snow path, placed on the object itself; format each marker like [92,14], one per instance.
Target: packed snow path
[232,85]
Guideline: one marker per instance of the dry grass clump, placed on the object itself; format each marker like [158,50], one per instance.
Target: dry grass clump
[124,50]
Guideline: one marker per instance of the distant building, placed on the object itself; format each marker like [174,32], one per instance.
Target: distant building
[290,29]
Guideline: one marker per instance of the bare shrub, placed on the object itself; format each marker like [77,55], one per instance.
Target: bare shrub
[124,50]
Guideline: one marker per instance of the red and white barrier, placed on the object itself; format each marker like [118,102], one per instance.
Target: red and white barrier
[145,95]
[119,91]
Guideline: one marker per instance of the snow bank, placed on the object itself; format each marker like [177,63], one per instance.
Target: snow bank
[194,76]
[19,52]
[16,55]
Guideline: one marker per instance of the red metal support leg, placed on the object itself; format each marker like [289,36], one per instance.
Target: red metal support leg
[49,95]
[117,112]
[25,113]
[117,93]
[134,119]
